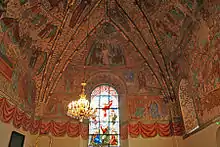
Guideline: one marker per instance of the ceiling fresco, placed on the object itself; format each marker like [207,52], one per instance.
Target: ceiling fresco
[48,46]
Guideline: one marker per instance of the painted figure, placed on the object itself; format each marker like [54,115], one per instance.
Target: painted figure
[11,25]
[154,110]
[27,90]
[25,43]
[35,54]
[105,54]
[116,55]
[3,6]
[129,76]
[142,80]
[49,31]
[39,20]
[56,3]
[148,5]
[96,56]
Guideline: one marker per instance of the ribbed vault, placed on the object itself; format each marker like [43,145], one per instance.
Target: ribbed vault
[136,29]
[149,44]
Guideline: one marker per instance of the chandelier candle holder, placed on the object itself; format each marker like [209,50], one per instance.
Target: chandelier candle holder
[81,109]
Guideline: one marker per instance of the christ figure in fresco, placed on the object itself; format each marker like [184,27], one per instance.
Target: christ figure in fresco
[142,81]
[116,55]
[97,55]
[105,54]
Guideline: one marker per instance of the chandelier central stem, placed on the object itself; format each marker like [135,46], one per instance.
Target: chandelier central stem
[83,95]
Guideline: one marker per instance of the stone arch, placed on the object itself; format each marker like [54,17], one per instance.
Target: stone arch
[106,78]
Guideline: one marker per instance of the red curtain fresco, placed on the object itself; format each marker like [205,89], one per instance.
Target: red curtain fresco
[11,114]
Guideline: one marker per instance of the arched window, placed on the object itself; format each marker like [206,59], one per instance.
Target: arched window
[104,127]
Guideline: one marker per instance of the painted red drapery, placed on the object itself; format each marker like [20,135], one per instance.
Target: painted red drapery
[11,114]
[152,130]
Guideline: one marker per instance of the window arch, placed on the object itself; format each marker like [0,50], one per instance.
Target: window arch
[104,127]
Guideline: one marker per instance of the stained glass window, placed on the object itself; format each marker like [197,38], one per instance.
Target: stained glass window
[104,127]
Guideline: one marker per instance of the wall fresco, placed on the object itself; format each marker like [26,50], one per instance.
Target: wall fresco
[148,108]
[203,64]
[105,49]
[19,45]
[141,51]
[147,83]
[187,106]
[106,54]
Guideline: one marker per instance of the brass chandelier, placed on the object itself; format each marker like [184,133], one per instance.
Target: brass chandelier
[81,109]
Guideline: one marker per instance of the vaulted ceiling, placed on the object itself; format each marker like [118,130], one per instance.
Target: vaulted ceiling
[62,39]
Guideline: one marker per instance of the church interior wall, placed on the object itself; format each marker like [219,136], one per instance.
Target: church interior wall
[5,135]
[162,96]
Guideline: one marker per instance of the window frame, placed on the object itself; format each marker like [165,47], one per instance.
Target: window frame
[114,108]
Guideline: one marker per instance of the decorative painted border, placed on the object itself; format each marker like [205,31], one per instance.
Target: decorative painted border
[9,113]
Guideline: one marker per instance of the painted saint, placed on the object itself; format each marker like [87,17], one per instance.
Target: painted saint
[102,54]
[142,81]
[154,110]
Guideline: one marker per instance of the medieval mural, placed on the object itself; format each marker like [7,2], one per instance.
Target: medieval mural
[106,54]
[147,84]
[105,50]
[188,109]
[148,108]
[47,49]
[23,47]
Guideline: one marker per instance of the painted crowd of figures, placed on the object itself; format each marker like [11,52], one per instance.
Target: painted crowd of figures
[102,54]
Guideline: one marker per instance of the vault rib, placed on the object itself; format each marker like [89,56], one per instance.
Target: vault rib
[151,69]
[69,58]
[159,66]
[160,50]
[52,52]
[40,97]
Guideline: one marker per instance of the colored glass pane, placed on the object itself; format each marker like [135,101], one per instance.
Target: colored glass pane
[104,127]
[114,101]
[104,100]
[95,101]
